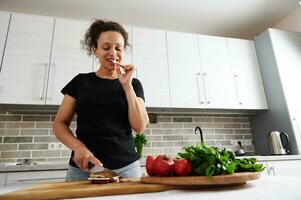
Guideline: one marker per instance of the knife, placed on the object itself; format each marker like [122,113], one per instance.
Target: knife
[95,169]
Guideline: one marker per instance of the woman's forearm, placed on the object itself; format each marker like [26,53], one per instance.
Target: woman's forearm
[65,135]
[137,113]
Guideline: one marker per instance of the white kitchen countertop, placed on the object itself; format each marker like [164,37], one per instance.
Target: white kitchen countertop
[266,188]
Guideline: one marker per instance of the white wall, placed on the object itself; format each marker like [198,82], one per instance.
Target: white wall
[292,22]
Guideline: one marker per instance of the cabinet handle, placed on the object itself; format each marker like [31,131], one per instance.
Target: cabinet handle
[199,88]
[271,169]
[236,90]
[53,70]
[44,81]
[204,87]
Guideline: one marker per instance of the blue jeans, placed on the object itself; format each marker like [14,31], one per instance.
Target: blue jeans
[130,171]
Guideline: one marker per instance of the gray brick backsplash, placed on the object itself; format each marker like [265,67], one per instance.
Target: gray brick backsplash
[222,119]
[48,153]
[242,131]
[19,125]
[161,131]
[185,143]
[44,124]
[45,139]
[15,154]
[154,138]
[65,153]
[36,118]
[172,150]
[162,144]
[9,132]
[211,137]
[17,139]
[27,134]
[153,151]
[172,137]
[37,146]
[34,132]
[241,120]
[182,119]
[248,137]
[10,117]
[212,125]
[223,131]
[7,147]
[174,125]
[245,126]
[184,131]
[233,137]
[164,119]
[192,137]
[232,126]
[202,119]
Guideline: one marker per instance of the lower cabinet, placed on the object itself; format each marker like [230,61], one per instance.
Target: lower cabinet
[31,178]
[284,168]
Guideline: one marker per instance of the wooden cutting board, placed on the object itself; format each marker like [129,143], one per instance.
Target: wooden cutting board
[83,189]
[130,186]
[220,180]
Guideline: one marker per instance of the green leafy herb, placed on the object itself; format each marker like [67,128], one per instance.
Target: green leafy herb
[140,141]
[210,161]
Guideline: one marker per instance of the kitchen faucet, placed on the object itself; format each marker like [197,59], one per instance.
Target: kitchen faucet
[198,130]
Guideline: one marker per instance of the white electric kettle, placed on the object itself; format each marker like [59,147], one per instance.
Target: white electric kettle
[278,142]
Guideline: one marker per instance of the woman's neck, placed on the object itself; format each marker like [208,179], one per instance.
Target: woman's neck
[105,73]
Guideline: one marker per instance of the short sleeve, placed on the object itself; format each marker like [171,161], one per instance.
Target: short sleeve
[138,88]
[71,87]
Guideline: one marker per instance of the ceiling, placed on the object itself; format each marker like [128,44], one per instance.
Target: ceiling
[230,18]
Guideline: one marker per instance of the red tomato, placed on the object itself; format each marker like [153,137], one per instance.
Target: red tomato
[163,166]
[183,167]
[149,165]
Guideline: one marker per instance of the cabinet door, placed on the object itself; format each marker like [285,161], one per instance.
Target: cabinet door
[216,76]
[67,58]
[35,177]
[284,168]
[150,58]
[246,74]
[4,21]
[26,59]
[184,70]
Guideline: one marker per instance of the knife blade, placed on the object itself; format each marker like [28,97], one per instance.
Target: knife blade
[95,169]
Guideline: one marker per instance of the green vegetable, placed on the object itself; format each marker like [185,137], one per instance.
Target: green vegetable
[210,161]
[140,141]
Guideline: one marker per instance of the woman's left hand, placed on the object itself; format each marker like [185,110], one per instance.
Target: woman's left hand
[126,78]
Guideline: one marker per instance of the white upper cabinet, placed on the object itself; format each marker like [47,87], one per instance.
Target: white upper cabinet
[184,70]
[4,21]
[246,74]
[150,59]
[26,60]
[216,77]
[67,58]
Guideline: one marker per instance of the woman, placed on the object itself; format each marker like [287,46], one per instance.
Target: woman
[108,103]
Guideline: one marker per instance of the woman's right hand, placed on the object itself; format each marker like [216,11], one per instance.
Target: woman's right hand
[82,157]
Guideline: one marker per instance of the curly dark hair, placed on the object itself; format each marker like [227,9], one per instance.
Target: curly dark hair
[96,28]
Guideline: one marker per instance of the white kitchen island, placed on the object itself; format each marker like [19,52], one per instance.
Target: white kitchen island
[266,188]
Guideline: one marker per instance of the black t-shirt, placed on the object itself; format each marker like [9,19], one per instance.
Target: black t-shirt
[102,118]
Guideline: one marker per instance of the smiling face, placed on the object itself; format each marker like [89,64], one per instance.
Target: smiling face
[110,46]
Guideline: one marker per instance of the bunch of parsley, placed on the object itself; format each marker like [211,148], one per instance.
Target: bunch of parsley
[211,161]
